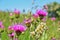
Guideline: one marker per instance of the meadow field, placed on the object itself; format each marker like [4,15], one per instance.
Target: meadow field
[43,24]
[52,30]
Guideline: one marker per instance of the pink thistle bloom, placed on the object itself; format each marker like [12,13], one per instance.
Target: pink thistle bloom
[35,15]
[27,21]
[53,38]
[1,25]
[10,27]
[19,28]
[53,19]
[11,14]
[15,39]
[41,13]
[44,19]
[11,35]
[16,11]
[0,22]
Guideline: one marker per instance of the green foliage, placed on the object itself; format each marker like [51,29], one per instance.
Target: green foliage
[54,9]
[52,26]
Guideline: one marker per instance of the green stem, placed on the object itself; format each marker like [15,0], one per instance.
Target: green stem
[0,36]
[14,36]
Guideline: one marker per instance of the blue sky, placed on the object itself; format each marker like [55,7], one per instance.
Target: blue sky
[23,4]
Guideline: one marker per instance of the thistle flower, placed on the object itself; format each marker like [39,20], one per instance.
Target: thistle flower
[1,28]
[53,19]
[53,38]
[41,13]
[11,35]
[19,28]
[44,19]
[16,11]
[15,39]
[35,15]
[11,14]
[0,22]
[1,25]
[28,22]
[10,29]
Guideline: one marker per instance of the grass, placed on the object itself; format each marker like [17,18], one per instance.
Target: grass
[52,25]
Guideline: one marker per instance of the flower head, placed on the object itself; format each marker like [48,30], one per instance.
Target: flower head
[27,21]
[10,27]
[1,25]
[19,27]
[16,11]
[53,38]
[11,14]
[15,39]
[44,19]
[53,19]
[0,22]
[35,15]
[41,13]
[11,35]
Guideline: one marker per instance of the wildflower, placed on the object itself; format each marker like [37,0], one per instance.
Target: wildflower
[35,15]
[11,35]
[53,19]
[16,11]
[19,28]
[44,19]
[10,29]
[11,14]
[41,13]
[53,38]
[15,39]
[28,22]
[1,26]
